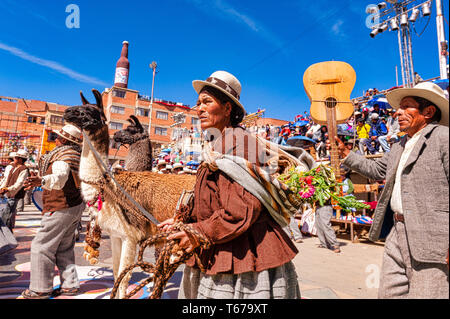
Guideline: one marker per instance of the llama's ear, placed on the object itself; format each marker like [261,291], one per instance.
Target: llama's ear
[137,123]
[98,98]
[83,99]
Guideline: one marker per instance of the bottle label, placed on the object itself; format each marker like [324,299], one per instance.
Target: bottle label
[121,76]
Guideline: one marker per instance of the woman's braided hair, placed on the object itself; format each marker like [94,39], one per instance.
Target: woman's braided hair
[236,115]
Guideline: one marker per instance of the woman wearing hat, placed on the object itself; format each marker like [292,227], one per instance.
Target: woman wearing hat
[63,206]
[251,255]
[13,187]
[413,209]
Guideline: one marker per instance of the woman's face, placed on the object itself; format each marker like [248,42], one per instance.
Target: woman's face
[212,113]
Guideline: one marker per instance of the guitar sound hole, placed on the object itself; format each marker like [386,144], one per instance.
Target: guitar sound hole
[330,102]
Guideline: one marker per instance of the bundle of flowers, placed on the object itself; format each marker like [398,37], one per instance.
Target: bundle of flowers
[317,186]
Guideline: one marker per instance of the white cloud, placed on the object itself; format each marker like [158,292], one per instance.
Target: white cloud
[51,65]
[336,28]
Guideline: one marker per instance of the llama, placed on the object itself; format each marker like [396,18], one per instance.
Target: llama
[139,157]
[158,194]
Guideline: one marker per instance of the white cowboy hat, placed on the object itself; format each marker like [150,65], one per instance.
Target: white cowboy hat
[177,165]
[426,90]
[161,162]
[71,133]
[225,82]
[22,154]
[187,170]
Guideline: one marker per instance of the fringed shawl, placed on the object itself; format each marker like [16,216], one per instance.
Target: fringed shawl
[260,179]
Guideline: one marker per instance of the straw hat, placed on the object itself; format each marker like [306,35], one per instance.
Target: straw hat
[71,133]
[22,154]
[225,82]
[427,90]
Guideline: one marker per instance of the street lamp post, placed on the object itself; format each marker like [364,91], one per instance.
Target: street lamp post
[153,66]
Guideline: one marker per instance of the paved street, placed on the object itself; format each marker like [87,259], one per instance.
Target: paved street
[323,274]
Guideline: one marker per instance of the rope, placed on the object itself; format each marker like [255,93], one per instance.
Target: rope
[171,257]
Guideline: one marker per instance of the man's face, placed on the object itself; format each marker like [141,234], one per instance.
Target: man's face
[410,119]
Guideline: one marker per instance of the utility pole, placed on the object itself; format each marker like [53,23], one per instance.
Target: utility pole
[442,43]
[153,66]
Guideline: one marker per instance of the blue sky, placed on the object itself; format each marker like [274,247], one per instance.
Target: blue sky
[267,44]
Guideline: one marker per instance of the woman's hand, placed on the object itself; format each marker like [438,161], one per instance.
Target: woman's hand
[188,243]
[166,226]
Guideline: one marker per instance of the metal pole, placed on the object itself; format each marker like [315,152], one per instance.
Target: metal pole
[411,62]
[401,56]
[441,40]
[152,66]
[396,75]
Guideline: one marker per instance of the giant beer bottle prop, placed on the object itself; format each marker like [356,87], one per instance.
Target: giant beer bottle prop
[122,68]
[329,86]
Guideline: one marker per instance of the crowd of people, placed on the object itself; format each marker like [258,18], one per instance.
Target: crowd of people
[371,130]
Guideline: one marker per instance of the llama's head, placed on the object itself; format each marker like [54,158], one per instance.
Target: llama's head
[132,134]
[88,117]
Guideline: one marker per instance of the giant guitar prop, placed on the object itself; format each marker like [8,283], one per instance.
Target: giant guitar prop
[329,86]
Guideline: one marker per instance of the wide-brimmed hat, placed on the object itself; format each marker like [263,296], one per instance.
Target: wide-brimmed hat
[22,154]
[161,162]
[177,165]
[71,133]
[426,90]
[225,82]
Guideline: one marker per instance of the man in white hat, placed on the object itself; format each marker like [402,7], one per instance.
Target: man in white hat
[413,209]
[8,167]
[12,187]
[161,166]
[177,169]
[62,209]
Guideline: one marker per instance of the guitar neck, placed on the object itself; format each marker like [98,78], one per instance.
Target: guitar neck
[332,132]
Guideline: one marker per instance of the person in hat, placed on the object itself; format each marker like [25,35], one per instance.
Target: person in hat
[161,166]
[177,168]
[8,167]
[413,209]
[250,255]
[12,187]
[63,206]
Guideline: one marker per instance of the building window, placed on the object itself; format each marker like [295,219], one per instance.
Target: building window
[142,112]
[119,93]
[32,119]
[194,121]
[162,115]
[54,119]
[115,126]
[42,120]
[117,109]
[161,131]
[145,126]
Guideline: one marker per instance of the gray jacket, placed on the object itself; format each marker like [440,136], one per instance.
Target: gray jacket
[425,192]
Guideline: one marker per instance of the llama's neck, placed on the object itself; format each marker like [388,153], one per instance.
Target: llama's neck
[90,171]
[140,156]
